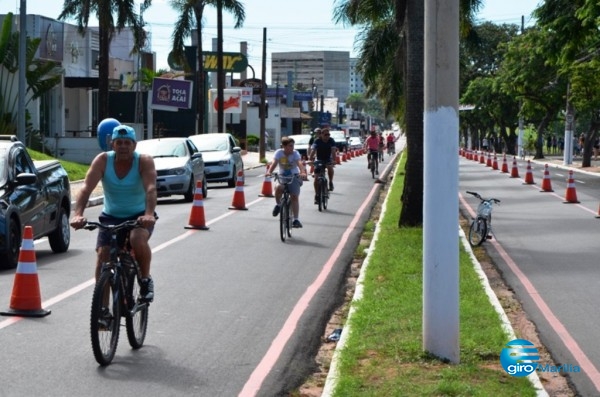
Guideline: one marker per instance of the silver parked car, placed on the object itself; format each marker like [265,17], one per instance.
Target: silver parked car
[222,157]
[178,164]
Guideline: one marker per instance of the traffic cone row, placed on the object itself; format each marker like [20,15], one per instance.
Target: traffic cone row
[570,194]
[26,300]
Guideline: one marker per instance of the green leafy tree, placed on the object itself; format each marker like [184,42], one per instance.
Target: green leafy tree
[40,76]
[113,16]
[191,14]
[391,61]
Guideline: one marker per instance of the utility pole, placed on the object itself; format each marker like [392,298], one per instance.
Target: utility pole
[22,88]
[521,122]
[220,74]
[263,94]
[440,181]
[569,120]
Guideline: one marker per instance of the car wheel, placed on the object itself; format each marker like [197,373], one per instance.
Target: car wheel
[60,238]
[204,187]
[189,195]
[231,181]
[10,257]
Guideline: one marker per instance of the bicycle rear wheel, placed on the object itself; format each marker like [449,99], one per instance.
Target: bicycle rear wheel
[136,323]
[288,210]
[478,232]
[105,318]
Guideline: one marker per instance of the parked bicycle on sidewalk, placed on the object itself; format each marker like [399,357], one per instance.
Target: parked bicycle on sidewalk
[481,225]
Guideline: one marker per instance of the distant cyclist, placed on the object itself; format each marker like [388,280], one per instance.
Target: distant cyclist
[290,164]
[391,140]
[325,150]
[372,145]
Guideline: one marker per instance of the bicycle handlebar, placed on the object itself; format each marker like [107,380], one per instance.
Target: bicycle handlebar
[481,198]
[131,224]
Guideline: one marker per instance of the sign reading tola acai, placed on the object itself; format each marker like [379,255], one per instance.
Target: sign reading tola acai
[169,94]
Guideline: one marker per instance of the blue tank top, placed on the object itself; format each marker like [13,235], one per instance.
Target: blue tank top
[123,197]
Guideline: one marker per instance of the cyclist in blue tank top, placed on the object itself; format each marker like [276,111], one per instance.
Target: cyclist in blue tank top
[129,185]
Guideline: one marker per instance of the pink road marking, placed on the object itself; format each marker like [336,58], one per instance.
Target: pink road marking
[265,366]
[582,359]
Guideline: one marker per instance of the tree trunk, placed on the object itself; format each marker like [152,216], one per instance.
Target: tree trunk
[412,195]
[588,146]
[104,33]
[200,86]
[539,146]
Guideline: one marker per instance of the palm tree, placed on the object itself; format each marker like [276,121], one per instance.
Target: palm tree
[191,13]
[113,16]
[392,52]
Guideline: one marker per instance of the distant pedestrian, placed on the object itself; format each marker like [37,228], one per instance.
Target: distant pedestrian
[484,144]
[554,144]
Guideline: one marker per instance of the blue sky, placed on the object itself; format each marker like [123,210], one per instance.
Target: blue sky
[291,25]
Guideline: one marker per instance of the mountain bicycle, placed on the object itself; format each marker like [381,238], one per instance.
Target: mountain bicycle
[373,162]
[322,189]
[285,213]
[391,149]
[116,295]
[481,226]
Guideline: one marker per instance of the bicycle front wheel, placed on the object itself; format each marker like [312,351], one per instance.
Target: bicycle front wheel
[136,321]
[105,318]
[284,216]
[478,232]
[324,194]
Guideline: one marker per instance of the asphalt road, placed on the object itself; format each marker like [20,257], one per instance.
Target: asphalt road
[237,312]
[548,253]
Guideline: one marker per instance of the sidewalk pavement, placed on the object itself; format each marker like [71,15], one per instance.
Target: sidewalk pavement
[251,160]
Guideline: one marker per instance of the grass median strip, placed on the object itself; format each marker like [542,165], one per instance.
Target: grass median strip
[384,353]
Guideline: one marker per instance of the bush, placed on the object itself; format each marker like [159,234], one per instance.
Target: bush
[252,140]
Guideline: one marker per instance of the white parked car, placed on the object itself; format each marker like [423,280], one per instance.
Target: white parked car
[355,142]
[222,157]
[178,166]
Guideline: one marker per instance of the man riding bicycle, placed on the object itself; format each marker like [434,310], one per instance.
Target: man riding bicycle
[391,140]
[372,145]
[129,185]
[325,150]
[290,164]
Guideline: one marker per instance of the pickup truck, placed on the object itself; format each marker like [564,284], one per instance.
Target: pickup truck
[32,193]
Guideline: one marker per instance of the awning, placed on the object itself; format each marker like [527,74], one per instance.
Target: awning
[81,82]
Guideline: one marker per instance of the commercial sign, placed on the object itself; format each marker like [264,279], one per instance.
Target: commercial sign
[255,84]
[232,100]
[235,62]
[170,94]
[292,113]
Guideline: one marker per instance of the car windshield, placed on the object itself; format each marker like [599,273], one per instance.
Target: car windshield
[210,143]
[162,148]
[301,139]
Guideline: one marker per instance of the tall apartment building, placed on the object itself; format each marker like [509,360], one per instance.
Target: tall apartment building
[356,84]
[329,71]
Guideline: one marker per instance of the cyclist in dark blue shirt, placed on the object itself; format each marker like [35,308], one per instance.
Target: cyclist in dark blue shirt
[324,149]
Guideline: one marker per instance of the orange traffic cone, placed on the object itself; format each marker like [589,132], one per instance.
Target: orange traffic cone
[514,172]
[197,220]
[529,175]
[482,158]
[239,201]
[571,194]
[504,165]
[26,300]
[598,215]
[475,156]
[495,163]
[546,182]
[267,187]
[488,162]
